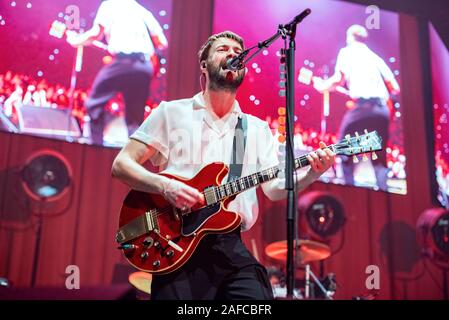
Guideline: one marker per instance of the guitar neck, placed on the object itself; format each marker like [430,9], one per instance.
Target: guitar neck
[237,186]
[58,29]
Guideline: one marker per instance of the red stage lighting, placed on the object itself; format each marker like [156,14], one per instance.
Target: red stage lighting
[323,213]
[46,175]
[433,235]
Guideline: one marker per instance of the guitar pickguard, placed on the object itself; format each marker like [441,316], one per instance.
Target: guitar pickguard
[195,219]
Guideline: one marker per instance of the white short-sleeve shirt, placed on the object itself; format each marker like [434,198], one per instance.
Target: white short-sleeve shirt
[187,137]
[364,71]
[127,26]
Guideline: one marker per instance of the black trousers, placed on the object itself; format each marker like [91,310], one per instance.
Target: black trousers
[221,268]
[129,75]
[371,114]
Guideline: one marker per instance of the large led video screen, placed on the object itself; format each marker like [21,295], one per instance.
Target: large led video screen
[440,96]
[47,84]
[347,79]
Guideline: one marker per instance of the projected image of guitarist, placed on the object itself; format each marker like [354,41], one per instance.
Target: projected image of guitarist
[371,84]
[164,218]
[132,34]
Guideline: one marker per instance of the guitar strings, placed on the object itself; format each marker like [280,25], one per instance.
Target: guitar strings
[221,188]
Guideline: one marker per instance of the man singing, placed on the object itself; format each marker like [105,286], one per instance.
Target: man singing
[185,135]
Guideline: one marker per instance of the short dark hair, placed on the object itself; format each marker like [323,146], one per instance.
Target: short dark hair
[203,54]
[357,32]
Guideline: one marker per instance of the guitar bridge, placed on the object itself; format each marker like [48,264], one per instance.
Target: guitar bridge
[137,227]
[151,220]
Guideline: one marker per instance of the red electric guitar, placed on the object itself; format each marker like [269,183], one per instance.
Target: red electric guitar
[159,238]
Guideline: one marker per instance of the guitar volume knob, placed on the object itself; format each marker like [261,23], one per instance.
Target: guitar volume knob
[156,263]
[170,253]
[148,242]
[144,255]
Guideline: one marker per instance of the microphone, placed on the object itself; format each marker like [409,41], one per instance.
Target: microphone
[302,15]
[235,64]
[298,18]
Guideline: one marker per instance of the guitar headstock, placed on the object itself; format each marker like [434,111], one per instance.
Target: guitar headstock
[305,76]
[367,142]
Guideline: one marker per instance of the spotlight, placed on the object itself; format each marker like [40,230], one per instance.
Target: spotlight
[4,283]
[323,213]
[433,234]
[46,175]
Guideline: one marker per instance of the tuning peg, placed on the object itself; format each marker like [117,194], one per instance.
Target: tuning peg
[355,159]
[366,131]
[373,156]
[364,157]
[348,137]
[357,136]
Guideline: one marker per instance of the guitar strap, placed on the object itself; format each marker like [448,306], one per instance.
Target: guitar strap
[238,149]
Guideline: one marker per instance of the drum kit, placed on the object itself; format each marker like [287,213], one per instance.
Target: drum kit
[306,251]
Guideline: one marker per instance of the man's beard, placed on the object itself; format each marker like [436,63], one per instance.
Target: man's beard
[219,81]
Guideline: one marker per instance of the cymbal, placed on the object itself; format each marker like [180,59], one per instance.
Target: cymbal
[141,281]
[308,250]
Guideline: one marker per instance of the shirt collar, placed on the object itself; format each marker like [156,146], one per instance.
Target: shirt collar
[198,103]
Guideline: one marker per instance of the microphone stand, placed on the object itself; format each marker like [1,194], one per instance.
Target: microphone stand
[289,30]
[289,158]
[76,68]
[261,45]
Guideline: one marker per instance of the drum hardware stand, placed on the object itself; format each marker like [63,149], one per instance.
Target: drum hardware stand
[309,273]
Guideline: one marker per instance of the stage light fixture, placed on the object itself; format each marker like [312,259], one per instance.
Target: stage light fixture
[323,213]
[46,175]
[4,283]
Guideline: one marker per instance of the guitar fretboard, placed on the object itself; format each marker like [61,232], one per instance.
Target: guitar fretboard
[253,180]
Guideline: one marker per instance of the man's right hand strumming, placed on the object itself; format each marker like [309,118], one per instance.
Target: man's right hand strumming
[181,195]
[127,166]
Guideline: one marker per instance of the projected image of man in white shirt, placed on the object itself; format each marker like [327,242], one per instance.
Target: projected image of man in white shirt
[133,35]
[370,84]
